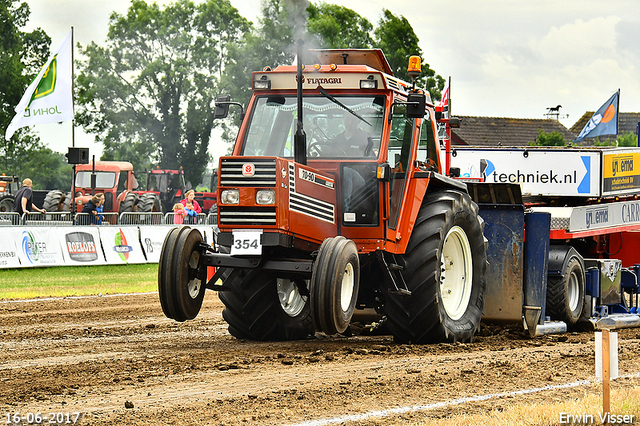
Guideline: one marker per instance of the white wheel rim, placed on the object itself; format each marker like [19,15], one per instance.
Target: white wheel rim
[193,286]
[346,289]
[456,273]
[291,300]
[573,291]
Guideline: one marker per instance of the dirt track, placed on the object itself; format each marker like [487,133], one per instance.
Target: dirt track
[94,355]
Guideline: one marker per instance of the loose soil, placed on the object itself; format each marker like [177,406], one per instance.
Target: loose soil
[117,360]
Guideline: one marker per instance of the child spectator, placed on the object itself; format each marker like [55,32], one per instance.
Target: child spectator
[190,210]
[178,214]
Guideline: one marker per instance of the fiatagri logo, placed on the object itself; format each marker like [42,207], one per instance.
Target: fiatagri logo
[32,248]
[81,247]
[121,247]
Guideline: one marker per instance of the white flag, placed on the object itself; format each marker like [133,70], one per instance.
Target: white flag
[48,98]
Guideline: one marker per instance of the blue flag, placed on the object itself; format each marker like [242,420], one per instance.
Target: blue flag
[604,121]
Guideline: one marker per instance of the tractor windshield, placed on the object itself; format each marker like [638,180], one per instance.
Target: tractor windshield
[332,131]
[103,179]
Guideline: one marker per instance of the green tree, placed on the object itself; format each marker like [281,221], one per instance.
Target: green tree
[549,139]
[148,95]
[395,36]
[625,139]
[23,54]
[339,27]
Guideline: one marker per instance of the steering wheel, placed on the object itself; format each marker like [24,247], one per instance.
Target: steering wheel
[318,148]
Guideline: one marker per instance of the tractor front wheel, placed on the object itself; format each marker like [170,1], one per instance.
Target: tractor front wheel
[334,285]
[181,278]
[444,267]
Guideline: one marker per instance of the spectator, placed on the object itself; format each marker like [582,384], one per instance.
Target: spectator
[23,202]
[178,214]
[100,209]
[91,208]
[189,198]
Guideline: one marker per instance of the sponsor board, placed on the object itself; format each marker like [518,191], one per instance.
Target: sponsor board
[604,216]
[82,246]
[121,244]
[152,238]
[544,172]
[39,247]
[9,250]
[620,174]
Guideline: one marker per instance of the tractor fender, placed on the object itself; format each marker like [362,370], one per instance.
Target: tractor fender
[438,181]
[559,255]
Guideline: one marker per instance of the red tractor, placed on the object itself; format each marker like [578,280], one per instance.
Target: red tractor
[171,187]
[113,178]
[335,199]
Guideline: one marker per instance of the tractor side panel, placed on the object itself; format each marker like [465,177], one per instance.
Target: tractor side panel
[312,203]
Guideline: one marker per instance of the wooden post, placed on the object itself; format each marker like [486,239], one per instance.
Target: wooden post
[606,377]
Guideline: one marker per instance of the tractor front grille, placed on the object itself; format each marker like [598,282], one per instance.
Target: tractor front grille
[231,172]
[258,216]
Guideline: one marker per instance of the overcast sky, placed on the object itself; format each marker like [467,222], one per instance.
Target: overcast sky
[506,58]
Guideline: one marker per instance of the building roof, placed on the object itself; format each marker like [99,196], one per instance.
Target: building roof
[495,131]
[627,123]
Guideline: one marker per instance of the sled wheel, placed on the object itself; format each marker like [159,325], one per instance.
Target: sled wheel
[565,293]
[334,285]
[149,203]
[165,272]
[260,305]
[444,267]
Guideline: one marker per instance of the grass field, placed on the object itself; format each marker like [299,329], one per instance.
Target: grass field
[77,281]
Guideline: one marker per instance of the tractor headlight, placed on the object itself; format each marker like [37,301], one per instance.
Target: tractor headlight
[266,196]
[230,196]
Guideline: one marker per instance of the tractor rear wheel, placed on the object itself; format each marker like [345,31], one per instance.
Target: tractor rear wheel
[149,202]
[54,201]
[259,305]
[181,280]
[6,204]
[334,285]
[565,292]
[129,203]
[444,267]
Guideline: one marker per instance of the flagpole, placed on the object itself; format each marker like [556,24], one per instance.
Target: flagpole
[73,100]
[618,117]
[73,132]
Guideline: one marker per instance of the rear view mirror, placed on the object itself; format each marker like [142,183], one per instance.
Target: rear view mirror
[416,105]
[222,106]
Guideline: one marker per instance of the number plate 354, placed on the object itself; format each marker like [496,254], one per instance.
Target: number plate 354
[246,242]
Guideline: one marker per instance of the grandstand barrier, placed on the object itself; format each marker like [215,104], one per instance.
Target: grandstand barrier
[59,245]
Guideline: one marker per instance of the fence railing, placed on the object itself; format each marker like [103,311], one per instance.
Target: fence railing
[104,219]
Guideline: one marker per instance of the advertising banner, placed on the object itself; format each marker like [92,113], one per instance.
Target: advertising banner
[121,244]
[81,246]
[9,249]
[620,175]
[38,246]
[539,171]
[152,238]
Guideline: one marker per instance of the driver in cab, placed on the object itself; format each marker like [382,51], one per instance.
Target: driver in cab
[354,141]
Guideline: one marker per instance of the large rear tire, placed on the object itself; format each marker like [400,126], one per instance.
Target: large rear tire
[259,305]
[54,201]
[128,205]
[444,267]
[181,279]
[334,285]
[565,292]
[149,203]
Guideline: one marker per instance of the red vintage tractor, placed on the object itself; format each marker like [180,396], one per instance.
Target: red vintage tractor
[335,199]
